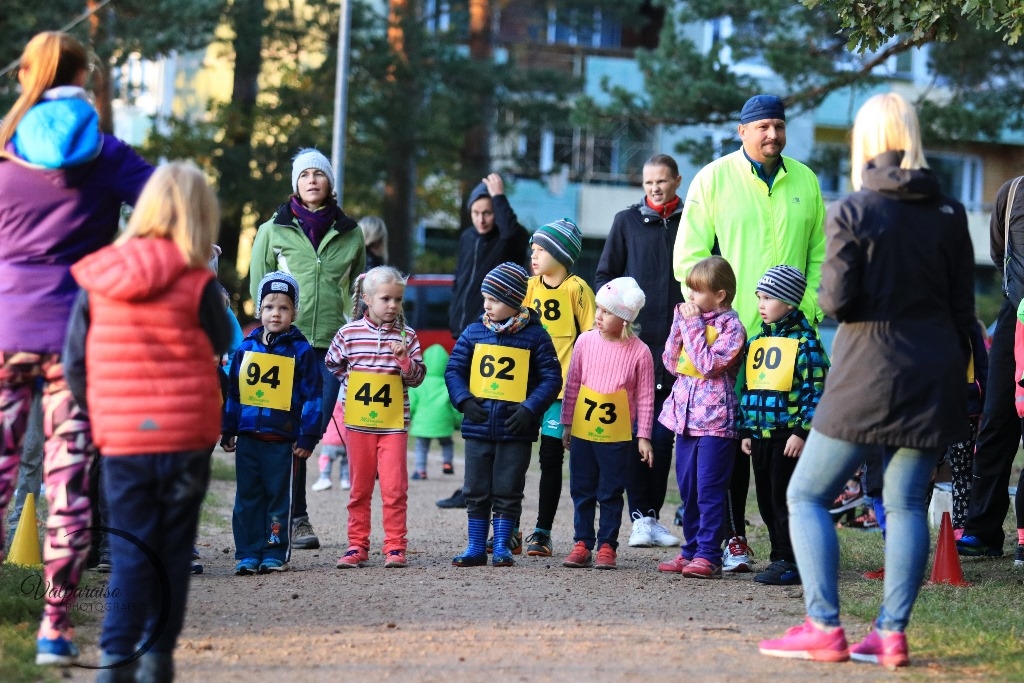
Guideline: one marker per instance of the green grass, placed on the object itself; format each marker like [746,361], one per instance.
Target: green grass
[208,514]
[19,620]
[221,470]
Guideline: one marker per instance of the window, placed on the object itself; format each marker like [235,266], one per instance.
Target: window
[960,176]
[614,154]
[583,28]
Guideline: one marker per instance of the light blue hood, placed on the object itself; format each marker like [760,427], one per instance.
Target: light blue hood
[61,130]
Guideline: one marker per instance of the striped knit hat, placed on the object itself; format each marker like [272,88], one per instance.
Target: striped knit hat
[562,239]
[507,284]
[278,282]
[785,283]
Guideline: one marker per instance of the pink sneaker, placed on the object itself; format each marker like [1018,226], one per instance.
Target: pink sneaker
[702,569]
[353,557]
[890,651]
[807,641]
[675,565]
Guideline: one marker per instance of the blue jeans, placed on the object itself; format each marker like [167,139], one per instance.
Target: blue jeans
[423,448]
[260,520]
[597,474]
[820,474]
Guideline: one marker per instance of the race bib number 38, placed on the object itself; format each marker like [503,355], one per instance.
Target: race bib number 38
[555,311]
[603,418]
[374,401]
[499,373]
[770,363]
[265,380]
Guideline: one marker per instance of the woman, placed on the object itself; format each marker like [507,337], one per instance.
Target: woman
[375,237]
[899,277]
[312,239]
[62,184]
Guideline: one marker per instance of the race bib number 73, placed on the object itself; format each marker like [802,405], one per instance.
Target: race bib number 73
[603,418]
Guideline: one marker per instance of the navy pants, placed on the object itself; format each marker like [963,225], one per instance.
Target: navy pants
[260,520]
[703,467]
[154,503]
[646,486]
[495,477]
[597,474]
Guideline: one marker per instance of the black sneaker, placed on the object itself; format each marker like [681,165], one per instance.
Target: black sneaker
[779,573]
[538,544]
[1018,560]
[457,500]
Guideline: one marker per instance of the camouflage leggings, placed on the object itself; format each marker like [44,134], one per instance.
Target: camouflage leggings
[66,458]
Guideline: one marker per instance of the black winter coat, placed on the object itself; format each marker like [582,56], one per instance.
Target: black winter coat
[899,277]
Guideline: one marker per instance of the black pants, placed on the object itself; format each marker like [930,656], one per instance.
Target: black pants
[998,438]
[736,500]
[772,472]
[646,486]
[552,456]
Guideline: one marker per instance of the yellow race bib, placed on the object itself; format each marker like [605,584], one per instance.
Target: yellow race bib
[770,363]
[265,380]
[374,401]
[499,372]
[603,418]
[555,311]
[685,366]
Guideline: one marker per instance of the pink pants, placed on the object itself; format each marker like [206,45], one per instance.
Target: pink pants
[370,455]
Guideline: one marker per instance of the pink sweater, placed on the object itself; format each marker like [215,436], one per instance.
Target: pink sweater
[606,367]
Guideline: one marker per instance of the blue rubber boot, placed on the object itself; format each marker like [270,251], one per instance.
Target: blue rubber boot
[475,554]
[502,532]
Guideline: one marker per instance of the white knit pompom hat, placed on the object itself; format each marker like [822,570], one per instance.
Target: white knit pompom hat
[622,297]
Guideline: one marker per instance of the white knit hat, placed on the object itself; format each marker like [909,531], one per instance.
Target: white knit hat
[311,158]
[622,297]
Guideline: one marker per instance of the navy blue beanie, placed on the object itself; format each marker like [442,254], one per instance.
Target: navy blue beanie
[760,107]
[479,192]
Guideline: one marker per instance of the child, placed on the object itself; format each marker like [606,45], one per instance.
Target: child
[150,315]
[565,305]
[785,375]
[703,351]
[432,415]
[376,357]
[503,374]
[610,387]
[272,414]
[332,447]
[960,456]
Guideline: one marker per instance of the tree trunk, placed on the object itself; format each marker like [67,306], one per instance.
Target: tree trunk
[101,81]
[476,148]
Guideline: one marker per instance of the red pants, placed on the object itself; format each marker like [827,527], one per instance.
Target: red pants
[370,455]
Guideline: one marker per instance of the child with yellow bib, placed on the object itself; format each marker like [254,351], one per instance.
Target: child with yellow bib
[377,357]
[502,375]
[609,389]
[703,351]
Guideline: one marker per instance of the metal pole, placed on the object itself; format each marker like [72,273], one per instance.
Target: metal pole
[341,98]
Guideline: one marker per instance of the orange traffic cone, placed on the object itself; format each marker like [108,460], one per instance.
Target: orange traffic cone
[946,568]
[25,546]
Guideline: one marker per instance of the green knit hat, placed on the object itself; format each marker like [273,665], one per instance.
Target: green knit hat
[562,239]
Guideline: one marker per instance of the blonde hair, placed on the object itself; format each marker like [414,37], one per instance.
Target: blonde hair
[375,231]
[177,204]
[367,283]
[713,274]
[885,123]
[49,60]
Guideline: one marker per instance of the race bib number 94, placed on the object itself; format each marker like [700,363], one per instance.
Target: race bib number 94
[265,380]
[603,418]
[770,363]
[374,401]
[499,372]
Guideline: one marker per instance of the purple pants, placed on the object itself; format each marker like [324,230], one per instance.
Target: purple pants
[703,468]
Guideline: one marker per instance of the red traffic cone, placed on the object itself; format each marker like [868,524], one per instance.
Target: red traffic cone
[946,568]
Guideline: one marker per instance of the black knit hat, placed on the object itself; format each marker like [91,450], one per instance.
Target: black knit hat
[785,283]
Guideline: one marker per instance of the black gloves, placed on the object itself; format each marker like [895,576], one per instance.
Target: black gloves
[520,422]
[473,411]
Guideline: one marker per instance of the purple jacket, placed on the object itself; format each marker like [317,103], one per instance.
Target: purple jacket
[49,219]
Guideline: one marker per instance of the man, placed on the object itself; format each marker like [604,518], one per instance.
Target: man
[758,209]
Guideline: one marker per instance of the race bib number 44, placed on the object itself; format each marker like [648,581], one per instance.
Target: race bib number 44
[770,363]
[374,401]
[499,372]
[603,418]
[265,380]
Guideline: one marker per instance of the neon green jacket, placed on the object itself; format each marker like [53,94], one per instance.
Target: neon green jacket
[755,228]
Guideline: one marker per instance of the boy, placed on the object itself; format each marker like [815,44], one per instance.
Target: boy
[502,375]
[272,412]
[785,375]
[565,305]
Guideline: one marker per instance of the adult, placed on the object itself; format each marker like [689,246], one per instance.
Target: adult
[758,209]
[999,433]
[62,184]
[375,238]
[639,245]
[495,237]
[899,278]
[312,239]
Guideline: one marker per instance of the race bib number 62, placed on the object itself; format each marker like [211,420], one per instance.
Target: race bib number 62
[499,372]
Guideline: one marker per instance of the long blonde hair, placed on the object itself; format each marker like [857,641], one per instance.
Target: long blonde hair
[177,204]
[49,60]
[885,123]
[366,284]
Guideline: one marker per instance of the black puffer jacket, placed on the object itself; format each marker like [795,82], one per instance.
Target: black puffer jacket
[899,277]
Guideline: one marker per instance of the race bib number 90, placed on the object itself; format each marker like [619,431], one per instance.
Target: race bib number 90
[265,380]
[603,418]
[499,373]
[374,401]
[770,363]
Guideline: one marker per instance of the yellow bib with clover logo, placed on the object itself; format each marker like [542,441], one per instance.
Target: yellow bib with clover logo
[685,366]
[374,401]
[602,418]
[499,372]
[265,380]
[555,311]
[770,363]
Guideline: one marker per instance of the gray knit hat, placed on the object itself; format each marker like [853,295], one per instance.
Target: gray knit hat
[278,282]
[311,158]
[785,283]
[562,239]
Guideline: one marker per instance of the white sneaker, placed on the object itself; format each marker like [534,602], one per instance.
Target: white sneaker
[736,556]
[321,484]
[660,535]
[345,484]
[641,536]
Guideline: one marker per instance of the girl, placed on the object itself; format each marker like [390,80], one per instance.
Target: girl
[332,447]
[609,387]
[703,351]
[377,357]
[151,315]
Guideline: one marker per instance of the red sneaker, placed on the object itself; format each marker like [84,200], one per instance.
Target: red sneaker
[876,575]
[353,557]
[807,641]
[579,557]
[395,559]
[676,565]
[702,569]
[605,557]
[890,651]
